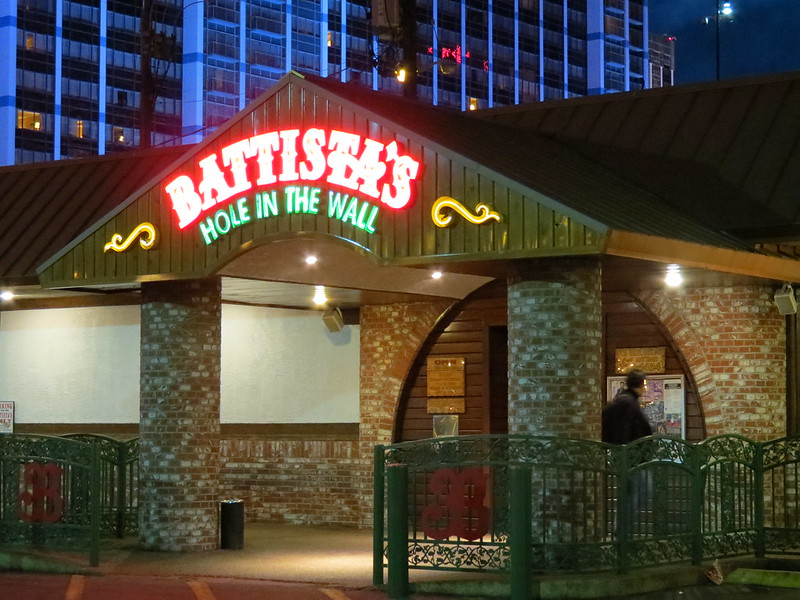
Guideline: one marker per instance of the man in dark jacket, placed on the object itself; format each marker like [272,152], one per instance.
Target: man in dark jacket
[623,420]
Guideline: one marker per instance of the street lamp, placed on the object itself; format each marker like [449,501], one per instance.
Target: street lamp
[724,11]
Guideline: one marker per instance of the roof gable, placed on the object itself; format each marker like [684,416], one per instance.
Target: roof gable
[531,223]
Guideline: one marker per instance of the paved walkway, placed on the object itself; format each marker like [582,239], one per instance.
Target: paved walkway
[342,558]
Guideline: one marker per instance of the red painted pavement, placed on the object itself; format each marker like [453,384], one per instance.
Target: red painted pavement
[42,586]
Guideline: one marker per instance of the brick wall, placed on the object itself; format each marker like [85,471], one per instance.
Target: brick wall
[733,340]
[391,336]
[555,349]
[293,481]
[179,415]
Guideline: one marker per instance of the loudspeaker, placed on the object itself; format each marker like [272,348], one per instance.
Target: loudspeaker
[785,300]
[333,319]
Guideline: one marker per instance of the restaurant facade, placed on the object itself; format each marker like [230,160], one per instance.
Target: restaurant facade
[476,273]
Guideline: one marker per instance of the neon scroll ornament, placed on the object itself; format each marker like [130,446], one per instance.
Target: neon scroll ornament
[146,233]
[443,219]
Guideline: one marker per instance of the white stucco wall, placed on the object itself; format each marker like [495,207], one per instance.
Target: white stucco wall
[71,365]
[81,365]
[282,366]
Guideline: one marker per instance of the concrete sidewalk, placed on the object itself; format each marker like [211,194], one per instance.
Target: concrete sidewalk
[343,558]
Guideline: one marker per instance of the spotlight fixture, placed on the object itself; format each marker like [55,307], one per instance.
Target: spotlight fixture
[333,319]
[785,300]
[436,275]
[311,259]
[6,295]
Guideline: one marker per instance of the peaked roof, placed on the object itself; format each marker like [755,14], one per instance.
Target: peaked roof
[727,152]
[628,192]
[47,205]
[578,183]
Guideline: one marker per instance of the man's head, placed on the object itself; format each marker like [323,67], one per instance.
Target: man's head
[635,380]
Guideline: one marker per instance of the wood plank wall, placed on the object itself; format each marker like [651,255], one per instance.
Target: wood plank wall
[477,330]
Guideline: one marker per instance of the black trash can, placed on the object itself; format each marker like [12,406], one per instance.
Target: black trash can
[231,524]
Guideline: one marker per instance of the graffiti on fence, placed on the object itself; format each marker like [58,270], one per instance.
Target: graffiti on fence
[40,500]
[459,508]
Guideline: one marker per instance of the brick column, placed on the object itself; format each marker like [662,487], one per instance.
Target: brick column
[555,349]
[179,415]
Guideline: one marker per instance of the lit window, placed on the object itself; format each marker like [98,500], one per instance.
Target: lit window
[30,42]
[118,134]
[79,129]
[29,120]
[330,39]
[473,104]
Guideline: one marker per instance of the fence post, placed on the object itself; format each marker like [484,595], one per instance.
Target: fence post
[624,508]
[122,457]
[397,550]
[519,529]
[94,506]
[759,542]
[697,500]
[378,506]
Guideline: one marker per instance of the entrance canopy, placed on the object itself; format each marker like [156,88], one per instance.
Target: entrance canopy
[395,189]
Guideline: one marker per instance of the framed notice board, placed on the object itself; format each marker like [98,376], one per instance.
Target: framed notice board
[664,402]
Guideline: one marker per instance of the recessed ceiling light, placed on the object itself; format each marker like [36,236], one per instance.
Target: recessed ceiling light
[7,295]
[311,259]
[436,274]
[674,277]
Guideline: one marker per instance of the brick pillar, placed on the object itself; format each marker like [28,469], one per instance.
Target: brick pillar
[179,415]
[555,349]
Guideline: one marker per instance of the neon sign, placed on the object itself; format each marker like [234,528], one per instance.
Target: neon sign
[289,200]
[362,165]
[146,233]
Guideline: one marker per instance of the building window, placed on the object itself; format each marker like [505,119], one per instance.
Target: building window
[30,42]
[29,120]
[79,128]
[118,134]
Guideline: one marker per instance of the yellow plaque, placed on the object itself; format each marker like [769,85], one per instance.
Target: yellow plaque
[649,360]
[446,406]
[445,376]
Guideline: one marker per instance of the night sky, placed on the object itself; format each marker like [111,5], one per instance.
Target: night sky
[764,37]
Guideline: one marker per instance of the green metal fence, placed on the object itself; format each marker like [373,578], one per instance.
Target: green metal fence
[50,493]
[67,492]
[525,505]
[119,483]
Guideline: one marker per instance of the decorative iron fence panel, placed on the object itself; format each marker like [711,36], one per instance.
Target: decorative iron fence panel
[781,498]
[49,492]
[119,482]
[587,505]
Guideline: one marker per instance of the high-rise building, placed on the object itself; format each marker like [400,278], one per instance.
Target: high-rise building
[81,86]
[662,60]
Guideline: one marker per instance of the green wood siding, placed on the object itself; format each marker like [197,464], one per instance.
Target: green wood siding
[406,236]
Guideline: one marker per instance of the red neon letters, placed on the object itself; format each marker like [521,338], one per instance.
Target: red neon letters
[344,159]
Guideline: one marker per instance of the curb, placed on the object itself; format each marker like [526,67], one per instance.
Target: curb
[783,579]
[21,561]
[575,586]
